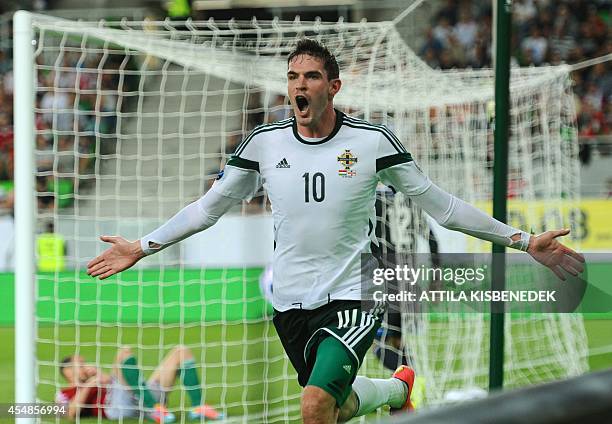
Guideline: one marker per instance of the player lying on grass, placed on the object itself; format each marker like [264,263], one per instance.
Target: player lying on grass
[320,169]
[122,393]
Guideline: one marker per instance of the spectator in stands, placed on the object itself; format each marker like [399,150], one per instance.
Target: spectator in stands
[523,14]
[536,45]
[601,31]
[448,11]
[44,195]
[86,120]
[432,45]
[564,21]
[443,32]
[65,77]
[56,102]
[430,56]
[65,155]
[55,105]
[44,152]
[85,154]
[590,120]
[544,33]
[601,76]
[108,103]
[562,42]
[587,40]
[446,60]
[465,30]
[593,96]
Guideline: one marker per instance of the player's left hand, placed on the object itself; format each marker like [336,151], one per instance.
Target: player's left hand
[546,249]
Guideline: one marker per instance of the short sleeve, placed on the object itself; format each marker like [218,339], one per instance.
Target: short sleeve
[240,178]
[238,182]
[246,155]
[390,151]
[405,177]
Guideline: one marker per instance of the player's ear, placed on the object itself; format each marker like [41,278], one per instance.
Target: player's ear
[334,87]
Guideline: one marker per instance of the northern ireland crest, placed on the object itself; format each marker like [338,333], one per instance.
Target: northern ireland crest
[347,159]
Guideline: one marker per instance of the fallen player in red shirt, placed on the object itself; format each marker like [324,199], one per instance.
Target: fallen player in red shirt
[124,393]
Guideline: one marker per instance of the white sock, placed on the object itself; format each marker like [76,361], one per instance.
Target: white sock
[373,393]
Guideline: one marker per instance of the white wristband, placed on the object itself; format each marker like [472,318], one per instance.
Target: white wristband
[522,243]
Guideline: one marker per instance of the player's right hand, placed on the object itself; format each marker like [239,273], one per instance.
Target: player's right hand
[120,256]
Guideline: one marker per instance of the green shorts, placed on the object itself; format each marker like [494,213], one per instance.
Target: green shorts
[301,332]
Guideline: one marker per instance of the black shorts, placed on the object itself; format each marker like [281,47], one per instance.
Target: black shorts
[301,330]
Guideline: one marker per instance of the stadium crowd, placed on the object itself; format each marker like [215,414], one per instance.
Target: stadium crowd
[544,32]
[75,111]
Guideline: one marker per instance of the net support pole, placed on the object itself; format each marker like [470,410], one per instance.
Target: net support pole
[500,184]
[23,56]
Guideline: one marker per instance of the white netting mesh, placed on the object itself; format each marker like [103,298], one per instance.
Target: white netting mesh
[134,120]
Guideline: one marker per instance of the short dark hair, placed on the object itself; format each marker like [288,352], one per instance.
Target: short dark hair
[64,364]
[315,49]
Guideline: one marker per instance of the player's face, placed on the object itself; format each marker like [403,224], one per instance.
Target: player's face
[309,89]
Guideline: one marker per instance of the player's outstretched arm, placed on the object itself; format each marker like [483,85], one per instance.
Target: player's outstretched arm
[193,218]
[121,255]
[546,249]
[230,188]
[455,214]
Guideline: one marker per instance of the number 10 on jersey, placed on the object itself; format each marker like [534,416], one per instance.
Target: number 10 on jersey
[318,187]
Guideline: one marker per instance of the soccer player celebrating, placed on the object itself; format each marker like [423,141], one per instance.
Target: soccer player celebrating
[119,395]
[320,169]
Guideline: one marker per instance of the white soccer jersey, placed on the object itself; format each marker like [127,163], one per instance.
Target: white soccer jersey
[322,195]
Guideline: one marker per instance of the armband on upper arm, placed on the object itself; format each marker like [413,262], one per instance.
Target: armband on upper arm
[238,182]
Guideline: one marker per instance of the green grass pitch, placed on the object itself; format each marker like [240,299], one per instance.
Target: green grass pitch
[244,362]
[243,374]
[245,391]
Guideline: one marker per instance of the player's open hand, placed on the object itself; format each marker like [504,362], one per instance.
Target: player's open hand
[545,249]
[120,256]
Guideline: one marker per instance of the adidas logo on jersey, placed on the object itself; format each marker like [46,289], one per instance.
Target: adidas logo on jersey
[347,368]
[283,164]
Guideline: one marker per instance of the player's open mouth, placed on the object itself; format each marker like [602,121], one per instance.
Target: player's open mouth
[302,103]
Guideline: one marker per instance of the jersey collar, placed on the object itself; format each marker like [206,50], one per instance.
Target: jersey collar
[339,119]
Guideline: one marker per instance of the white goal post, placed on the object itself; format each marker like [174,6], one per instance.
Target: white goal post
[25,209]
[120,124]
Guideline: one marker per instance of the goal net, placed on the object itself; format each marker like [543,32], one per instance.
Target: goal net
[135,119]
